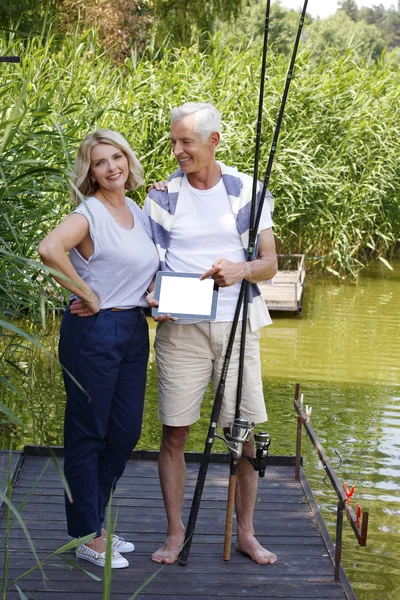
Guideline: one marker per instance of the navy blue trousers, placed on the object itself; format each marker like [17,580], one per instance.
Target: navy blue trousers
[107,354]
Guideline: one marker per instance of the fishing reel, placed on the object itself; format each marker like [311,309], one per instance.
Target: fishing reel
[239,433]
[263,442]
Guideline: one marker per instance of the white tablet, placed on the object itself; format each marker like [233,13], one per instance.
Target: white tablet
[185,296]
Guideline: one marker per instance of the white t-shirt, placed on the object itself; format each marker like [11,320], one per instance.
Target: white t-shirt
[204,229]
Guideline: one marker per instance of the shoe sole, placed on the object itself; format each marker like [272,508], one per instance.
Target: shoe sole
[98,564]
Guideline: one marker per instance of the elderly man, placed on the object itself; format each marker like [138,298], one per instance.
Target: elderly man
[200,225]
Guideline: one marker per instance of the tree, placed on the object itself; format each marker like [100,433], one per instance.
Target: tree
[338,33]
[282,26]
[188,21]
[27,16]
[387,21]
[350,8]
[122,24]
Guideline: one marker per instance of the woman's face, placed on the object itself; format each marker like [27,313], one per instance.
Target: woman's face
[109,167]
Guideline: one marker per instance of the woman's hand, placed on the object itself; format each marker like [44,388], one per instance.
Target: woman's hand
[86,308]
[152,302]
[160,186]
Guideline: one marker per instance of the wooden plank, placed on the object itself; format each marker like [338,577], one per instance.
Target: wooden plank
[124,493]
[96,595]
[278,512]
[288,564]
[152,455]
[146,470]
[147,543]
[191,587]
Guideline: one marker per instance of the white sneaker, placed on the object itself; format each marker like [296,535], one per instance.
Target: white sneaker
[118,543]
[86,553]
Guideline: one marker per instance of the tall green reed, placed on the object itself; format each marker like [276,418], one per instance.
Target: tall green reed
[336,171]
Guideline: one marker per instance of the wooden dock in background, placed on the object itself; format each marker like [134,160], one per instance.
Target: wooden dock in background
[285,290]
[285,521]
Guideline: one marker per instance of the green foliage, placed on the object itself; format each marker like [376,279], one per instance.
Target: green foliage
[339,32]
[386,20]
[28,16]
[184,21]
[350,8]
[283,25]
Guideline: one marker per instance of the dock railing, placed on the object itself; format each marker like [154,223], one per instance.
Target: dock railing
[358,520]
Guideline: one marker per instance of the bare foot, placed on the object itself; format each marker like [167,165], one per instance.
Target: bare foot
[169,553]
[251,547]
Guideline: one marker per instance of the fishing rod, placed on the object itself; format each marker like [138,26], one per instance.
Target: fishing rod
[238,434]
[10,59]
[183,557]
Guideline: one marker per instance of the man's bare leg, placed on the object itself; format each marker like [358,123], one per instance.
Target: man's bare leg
[172,471]
[246,493]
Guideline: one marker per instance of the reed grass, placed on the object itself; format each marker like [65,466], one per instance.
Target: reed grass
[336,170]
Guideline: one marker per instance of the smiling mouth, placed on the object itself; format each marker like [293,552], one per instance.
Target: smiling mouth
[114,177]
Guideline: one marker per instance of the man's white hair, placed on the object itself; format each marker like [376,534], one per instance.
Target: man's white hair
[207,118]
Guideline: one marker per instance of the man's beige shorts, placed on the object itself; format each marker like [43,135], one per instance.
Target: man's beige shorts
[189,356]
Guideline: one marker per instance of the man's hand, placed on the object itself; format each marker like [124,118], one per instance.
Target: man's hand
[86,308]
[152,302]
[225,273]
[160,186]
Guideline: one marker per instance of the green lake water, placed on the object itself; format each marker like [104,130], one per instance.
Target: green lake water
[344,350]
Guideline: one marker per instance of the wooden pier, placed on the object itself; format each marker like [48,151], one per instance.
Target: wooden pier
[286,521]
[284,292]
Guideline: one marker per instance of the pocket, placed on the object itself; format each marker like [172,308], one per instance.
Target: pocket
[80,328]
[159,326]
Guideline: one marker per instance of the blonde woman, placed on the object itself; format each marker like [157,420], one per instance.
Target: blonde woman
[104,336]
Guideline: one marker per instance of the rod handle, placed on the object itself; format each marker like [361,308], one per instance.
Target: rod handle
[229,516]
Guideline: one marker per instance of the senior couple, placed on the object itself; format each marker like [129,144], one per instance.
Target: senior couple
[198,224]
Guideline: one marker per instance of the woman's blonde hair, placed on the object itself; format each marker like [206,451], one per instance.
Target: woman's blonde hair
[82,185]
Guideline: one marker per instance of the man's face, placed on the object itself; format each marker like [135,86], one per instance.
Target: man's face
[192,154]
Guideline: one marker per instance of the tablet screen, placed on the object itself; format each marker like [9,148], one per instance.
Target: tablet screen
[184,295]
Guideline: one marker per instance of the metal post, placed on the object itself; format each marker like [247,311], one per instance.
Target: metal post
[298,440]
[364,524]
[298,448]
[339,536]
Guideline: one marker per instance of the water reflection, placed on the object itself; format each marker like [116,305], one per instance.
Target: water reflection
[345,351]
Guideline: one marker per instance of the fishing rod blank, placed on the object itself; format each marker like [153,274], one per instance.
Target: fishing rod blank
[251,250]
[234,459]
[10,59]
[253,234]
